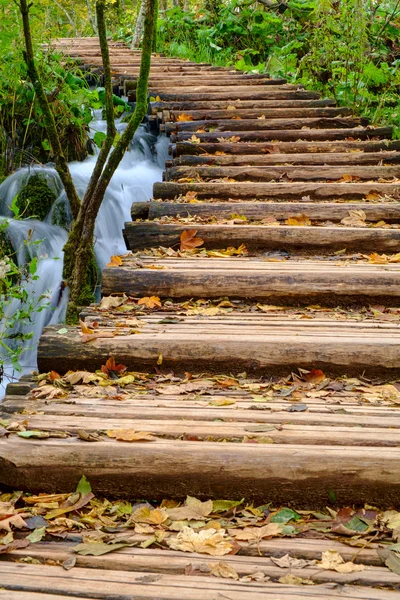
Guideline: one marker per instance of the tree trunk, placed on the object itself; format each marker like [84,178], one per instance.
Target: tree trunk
[90,15]
[78,250]
[137,36]
[48,117]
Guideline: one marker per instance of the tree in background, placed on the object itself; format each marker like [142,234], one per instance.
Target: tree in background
[78,253]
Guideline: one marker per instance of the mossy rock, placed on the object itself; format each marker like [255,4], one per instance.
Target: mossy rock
[35,198]
[6,247]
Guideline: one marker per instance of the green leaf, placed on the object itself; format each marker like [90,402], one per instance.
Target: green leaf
[33,265]
[33,433]
[84,486]
[98,548]
[99,138]
[46,146]
[62,331]
[285,515]
[224,505]
[356,524]
[14,207]
[37,535]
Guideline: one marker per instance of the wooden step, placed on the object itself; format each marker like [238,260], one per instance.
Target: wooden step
[151,234]
[320,158]
[218,81]
[279,147]
[245,92]
[31,582]
[316,211]
[183,105]
[215,343]
[358,133]
[284,173]
[284,191]
[252,113]
[253,278]
[250,125]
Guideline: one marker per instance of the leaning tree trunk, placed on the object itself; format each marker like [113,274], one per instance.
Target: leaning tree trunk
[78,251]
[137,36]
[90,16]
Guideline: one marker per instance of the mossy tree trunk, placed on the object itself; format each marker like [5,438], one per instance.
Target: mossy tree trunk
[79,248]
[48,117]
[79,264]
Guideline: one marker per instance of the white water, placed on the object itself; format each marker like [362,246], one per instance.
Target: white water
[133,181]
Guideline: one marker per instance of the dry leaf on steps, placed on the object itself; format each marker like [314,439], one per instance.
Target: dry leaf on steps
[184,117]
[207,541]
[115,261]
[111,302]
[293,580]
[150,516]
[15,521]
[301,221]
[194,139]
[189,240]
[194,510]
[130,435]
[222,569]
[150,302]
[287,561]
[356,218]
[333,561]
[256,534]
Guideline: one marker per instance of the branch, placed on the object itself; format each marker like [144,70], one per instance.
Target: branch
[48,117]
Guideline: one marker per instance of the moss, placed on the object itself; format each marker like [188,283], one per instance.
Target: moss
[35,198]
[72,316]
[60,216]
[6,247]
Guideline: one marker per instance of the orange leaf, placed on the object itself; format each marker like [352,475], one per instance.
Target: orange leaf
[111,365]
[189,240]
[115,261]
[184,117]
[150,302]
[315,376]
[300,221]
[85,328]
[130,435]
[378,259]
[54,375]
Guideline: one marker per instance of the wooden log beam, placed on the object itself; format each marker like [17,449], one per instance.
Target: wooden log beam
[151,234]
[283,191]
[176,105]
[318,158]
[232,124]
[279,147]
[284,173]
[245,93]
[253,113]
[291,281]
[321,211]
[291,135]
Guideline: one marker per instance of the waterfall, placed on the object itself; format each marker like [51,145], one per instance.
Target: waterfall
[133,181]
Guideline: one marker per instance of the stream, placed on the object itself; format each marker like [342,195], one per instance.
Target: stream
[141,166]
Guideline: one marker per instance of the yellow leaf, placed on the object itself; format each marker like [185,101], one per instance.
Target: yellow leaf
[194,139]
[191,196]
[261,117]
[160,359]
[222,402]
[130,435]
[333,561]
[146,514]
[293,580]
[372,196]
[150,302]
[356,218]
[207,541]
[218,153]
[115,261]
[301,221]
[256,534]
[189,240]
[222,569]
[378,259]
[230,107]
[85,328]
[184,117]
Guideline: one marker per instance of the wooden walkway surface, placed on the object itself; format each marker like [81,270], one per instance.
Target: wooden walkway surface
[257,316]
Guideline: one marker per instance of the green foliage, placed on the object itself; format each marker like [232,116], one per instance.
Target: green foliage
[347,49]
[35,198]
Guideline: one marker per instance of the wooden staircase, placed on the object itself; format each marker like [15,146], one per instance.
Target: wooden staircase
[295,201]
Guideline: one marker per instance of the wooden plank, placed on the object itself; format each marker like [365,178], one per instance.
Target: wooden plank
[215,344]
[151,234]
[232,124]
[289,135]
[320,158]
[284,191]
[291,282]
[284,173]
[267,113]
[321,211]
[170,468]
[242,104]
[245,92]
[279,147]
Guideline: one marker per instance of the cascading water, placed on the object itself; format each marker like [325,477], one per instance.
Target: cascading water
[133,181]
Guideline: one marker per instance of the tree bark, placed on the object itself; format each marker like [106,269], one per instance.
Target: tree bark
[137,36]
[48,117]
[78,250]
[90,15]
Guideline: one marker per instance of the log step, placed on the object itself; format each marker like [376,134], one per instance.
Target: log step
[150,234]
[232,124]
[215,344]
[245,92]
[283,191]
[315,211]
[253,113]
[321,158]
[253,278]
[357,133]
[285,173]
[280,147]
[182,105]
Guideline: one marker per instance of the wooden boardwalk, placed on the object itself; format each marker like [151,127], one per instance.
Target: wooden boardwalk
[263,363]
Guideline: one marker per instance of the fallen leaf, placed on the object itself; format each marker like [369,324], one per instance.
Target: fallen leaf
[256,534]
[14,545]
[69,563]
[207,541]
[150,302]
[130,435]
[301,221]
[189,240]
[222,569]
[194,509]
[293,580]
[109,302]
[150,516]
[222,402]
[314,376]
[98,548]
[225,505]
[115,261]
[112,367]
[194,139]
[356,218]
[184,117]
[333,561]
[37,535]
[289,562]
[14,521]
[85,329]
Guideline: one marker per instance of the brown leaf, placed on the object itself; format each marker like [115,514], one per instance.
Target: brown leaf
[222,569]
[301,221]
[315,376]
[189,240]
[53,375]
[111,366]
[68,507]
[356,218]
[14,545]
[206,541]
[85,329]
[130,435]
[256,534]
[14,521]
[333,561]
[150,516]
